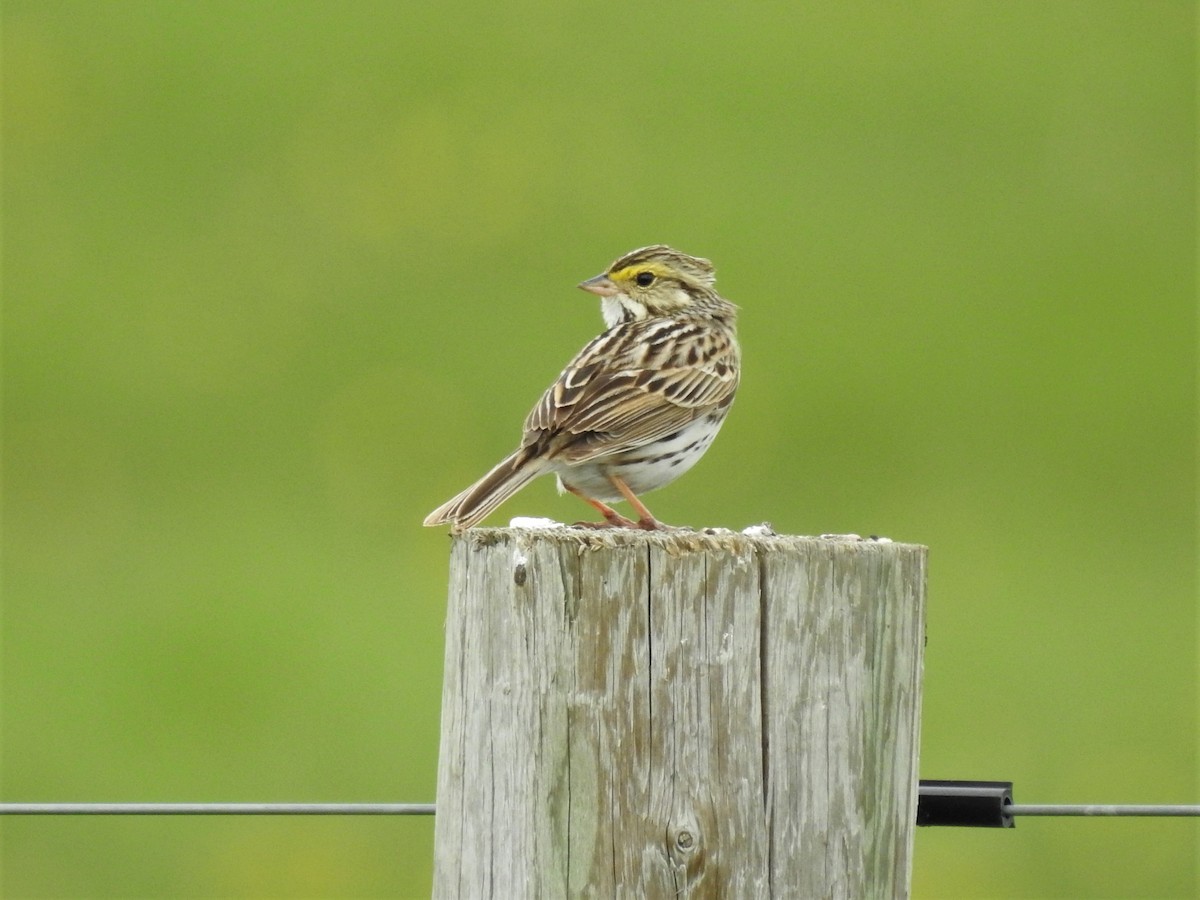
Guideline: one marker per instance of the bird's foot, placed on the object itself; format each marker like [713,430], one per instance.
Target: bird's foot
[616,520]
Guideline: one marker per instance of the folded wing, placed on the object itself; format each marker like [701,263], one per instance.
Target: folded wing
[634,384]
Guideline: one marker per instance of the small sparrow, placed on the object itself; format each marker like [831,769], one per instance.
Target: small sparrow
[637,406]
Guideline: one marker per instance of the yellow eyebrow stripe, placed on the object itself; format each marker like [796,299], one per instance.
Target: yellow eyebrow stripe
[629,272]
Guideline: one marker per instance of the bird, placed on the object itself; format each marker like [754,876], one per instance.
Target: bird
[637,406]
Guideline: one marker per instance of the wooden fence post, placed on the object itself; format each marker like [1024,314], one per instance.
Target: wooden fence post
[664,715]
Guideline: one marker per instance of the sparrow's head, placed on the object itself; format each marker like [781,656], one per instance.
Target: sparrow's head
[653,282]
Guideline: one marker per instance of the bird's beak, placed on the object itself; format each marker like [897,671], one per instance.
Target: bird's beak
[601,286]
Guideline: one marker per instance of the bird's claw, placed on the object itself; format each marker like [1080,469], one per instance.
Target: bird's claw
[619,521]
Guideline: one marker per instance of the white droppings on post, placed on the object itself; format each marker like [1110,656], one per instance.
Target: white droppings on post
[533,522]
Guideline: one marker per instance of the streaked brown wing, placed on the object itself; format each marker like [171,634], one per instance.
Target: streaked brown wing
[632,385]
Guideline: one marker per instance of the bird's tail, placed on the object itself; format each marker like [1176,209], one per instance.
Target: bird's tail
[476,502]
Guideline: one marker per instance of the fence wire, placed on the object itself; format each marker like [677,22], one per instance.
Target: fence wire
[428,809]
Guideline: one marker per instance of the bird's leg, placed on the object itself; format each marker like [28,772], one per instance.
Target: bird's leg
[646,520]
[611,516]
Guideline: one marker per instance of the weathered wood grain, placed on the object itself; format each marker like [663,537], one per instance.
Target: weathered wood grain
[678,715]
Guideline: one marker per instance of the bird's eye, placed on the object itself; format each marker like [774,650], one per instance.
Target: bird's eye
[645,279]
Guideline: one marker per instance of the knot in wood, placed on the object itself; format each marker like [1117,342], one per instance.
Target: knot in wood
[684,840]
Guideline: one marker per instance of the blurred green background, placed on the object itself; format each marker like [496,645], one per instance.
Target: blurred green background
[279,278]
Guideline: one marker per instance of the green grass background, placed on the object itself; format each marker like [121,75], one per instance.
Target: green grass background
[278,278]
